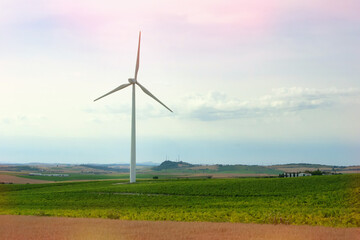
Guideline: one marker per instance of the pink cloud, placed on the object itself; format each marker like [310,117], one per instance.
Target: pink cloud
[107,22]
[110,16]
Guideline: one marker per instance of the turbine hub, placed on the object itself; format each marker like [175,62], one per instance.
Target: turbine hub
[132,80]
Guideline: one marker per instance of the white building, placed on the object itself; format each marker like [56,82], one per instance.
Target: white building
[304,174]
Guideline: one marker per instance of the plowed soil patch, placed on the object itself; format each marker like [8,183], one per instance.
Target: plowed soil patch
[4,178]
[31,227]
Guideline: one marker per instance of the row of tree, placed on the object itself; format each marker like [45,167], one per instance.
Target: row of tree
[296,174]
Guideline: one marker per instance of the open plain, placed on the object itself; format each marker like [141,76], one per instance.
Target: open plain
[331,201]
[6,178]
[317,207]
[35,227]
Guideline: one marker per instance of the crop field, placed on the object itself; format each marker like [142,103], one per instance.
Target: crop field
[318,200]
[220,169]
[79,176]
[7,179]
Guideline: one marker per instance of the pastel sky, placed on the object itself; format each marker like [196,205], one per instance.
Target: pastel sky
[249,81]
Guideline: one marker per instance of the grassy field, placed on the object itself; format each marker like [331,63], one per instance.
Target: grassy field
[237,169]
[318,200]
[81,176]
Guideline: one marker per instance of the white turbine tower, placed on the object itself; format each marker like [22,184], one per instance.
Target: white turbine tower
[133,81]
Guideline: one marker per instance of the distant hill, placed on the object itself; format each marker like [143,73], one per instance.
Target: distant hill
[173,168]
[184,167]
[247,169]
[172,165]
[104,167]
[310,165]
[301,167]
[18,168]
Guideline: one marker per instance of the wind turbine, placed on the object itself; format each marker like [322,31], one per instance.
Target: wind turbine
[133,82]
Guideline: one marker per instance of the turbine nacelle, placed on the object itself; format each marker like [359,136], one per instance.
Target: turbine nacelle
[132,80]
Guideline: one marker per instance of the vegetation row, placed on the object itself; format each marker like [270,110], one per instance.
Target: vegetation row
[317,200]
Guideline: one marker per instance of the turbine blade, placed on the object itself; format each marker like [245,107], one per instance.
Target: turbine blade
[138,58]
[151,95]
[116,89]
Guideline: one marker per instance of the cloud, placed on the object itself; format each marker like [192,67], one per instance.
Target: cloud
[109,22]
[146,111]
[5,121]
[22,119]
[218,106]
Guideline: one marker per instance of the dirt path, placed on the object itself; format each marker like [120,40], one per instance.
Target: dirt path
[31,227]
[4,178]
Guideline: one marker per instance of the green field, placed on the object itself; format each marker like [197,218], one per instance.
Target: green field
[80,176]
[236,169]
[318,200]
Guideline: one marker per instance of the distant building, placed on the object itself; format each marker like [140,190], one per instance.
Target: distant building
[290,174]
[49,175]
[295,174]
[302,174]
